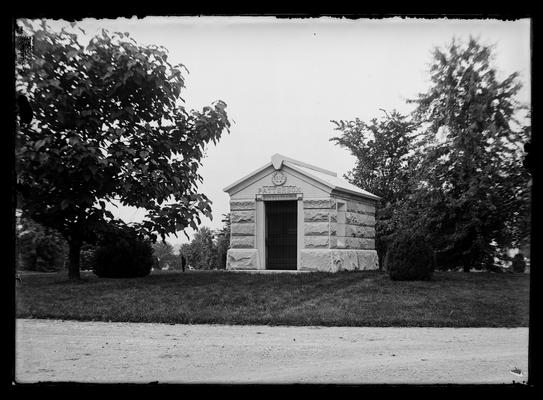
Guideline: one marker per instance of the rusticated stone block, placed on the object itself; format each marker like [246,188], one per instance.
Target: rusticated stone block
[344,260]
[359,231]
[333,216]
[333,228]
[242,216]
[316,242]
[324,203]
[315,260]
[239,205]
[242,242]
[359,219]
[359,207]
[316,215]
[359,243]
[329,260]
[245,229]
[337,242]
[242,259]
[316,228]
[367,260]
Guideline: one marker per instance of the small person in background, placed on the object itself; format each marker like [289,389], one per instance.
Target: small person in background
[183,262]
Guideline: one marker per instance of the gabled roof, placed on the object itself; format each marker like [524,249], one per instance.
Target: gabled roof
[325,177]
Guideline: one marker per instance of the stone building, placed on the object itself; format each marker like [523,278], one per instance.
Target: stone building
[289,215]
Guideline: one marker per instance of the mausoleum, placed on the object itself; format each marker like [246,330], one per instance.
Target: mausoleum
[289,215]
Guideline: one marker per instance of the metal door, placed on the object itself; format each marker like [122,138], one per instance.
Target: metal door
[281,234]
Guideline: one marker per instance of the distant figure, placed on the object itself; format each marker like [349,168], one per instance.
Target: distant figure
[518,264]
[183,262]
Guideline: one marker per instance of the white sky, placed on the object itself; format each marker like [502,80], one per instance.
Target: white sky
[284,80]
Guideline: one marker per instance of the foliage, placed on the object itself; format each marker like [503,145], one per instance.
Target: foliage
[163,251]
[109,126]
[87,255]
[475,188]
[383,166]
[453,171]
[201,252]
[123,255]
[222,241]
[410,258]
[39,248]
[208,249]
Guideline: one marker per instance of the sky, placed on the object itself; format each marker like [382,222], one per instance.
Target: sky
[284,80]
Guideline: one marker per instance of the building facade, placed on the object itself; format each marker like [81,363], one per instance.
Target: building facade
[289,215]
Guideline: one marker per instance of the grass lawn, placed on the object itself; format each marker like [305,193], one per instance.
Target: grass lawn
[451,299]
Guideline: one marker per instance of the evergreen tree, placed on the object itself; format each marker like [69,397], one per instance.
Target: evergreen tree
[471,180]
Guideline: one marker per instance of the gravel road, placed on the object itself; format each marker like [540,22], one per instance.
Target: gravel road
[52,350]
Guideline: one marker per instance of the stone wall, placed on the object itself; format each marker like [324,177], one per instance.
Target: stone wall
[332,242]
[317,223]
[357,231]
[242,259]
[334,260]
[242,253]
[338,240]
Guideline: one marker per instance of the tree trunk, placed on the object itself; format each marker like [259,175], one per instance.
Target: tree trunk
[466,268]
[73,265]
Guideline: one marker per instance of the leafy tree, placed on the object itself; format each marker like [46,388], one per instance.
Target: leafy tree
[453,170]
[109,125]
[471,180]
[163,251]
[222,241]
[201,252]
[384,166]
[86,256]
[38,248]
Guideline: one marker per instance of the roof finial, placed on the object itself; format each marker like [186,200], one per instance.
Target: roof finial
[277,160]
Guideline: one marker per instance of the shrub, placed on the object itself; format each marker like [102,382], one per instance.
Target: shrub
[410,258]
[39,248]
[86,257]
[519,264]
[123,255]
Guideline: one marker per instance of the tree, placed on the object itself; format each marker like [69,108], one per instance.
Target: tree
[201,252]
[109,126]
[163,251]
[471,179]
[38,248]
[452,171]
[384,166]
[222,241]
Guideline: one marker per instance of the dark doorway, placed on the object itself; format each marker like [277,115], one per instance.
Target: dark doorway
[281,234]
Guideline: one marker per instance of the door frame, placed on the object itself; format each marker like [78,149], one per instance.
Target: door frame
[262,224]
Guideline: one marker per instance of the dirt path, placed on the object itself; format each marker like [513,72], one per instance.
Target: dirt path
[52,350]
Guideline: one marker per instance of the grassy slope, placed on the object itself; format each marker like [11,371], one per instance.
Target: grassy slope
[341,299]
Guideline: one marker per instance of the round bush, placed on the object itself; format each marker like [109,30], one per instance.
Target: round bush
[124,256]
[410,258]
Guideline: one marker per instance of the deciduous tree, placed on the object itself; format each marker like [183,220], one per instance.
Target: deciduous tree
[222,241]
[384,166]
[109,125]
[163,251]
